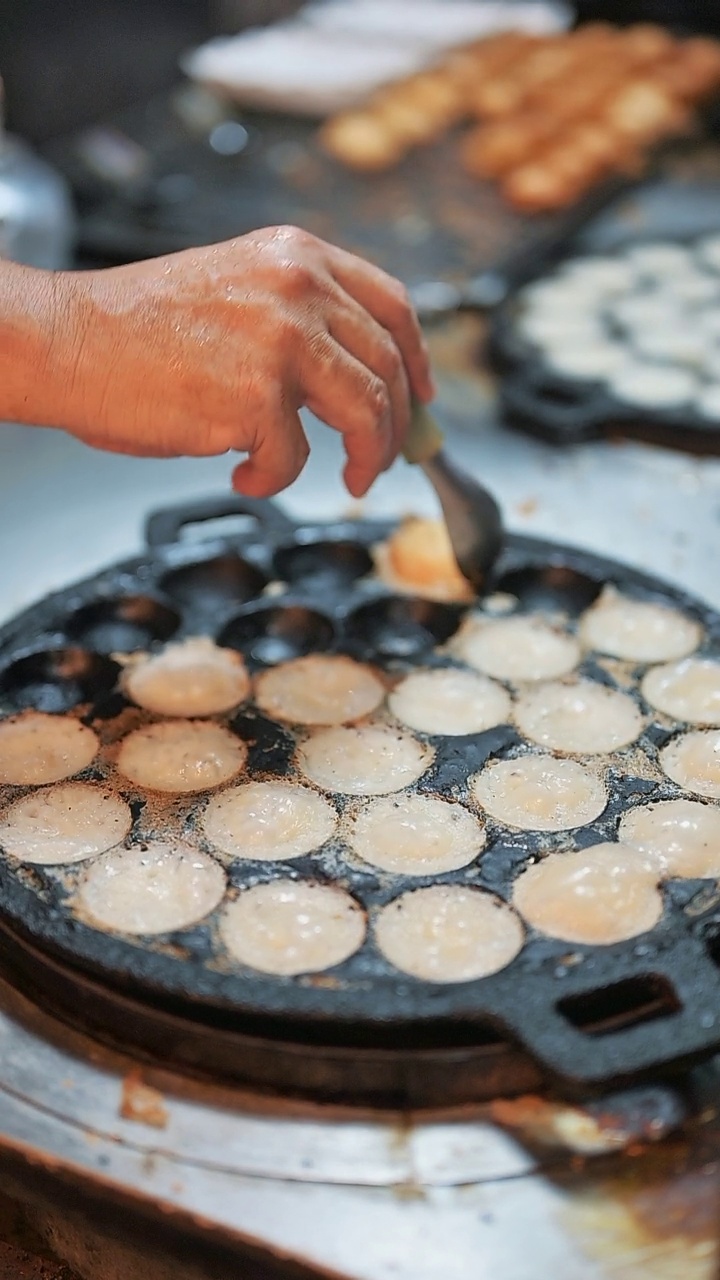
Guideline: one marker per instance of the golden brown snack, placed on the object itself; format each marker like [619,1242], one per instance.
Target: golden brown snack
[580,94]
[361,140]
[601,145]
[642,111]
[434,94]
[494,59]
[646,43]
[538,188]
[418,557]
[692,70]
[494,149]
[406,122]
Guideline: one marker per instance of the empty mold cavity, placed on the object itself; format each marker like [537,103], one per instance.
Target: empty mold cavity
[552,587]
[277,634]
[123,624]
[712,944]
[323,564]
[56,680]
[402,627]
[209,584]
[623,1004]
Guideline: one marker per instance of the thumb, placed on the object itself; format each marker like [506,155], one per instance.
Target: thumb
[276,459]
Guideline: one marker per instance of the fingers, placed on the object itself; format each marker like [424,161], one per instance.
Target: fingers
[353,400]
[276,458]
[388,302]
[354,329]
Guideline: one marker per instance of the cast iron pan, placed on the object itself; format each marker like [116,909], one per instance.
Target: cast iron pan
[578,1016]
[560,409]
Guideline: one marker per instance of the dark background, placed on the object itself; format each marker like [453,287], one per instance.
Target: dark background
[68,62]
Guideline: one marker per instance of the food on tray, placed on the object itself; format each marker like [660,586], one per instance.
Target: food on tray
[707,401]
[418,557]
[658,259]
[372,760]
[598,896]
[682,835]
[516,648]
[448,933]
[644,324]
[292,926]
[652,386]
[150,889]
[553,114]
[36,748]
[693,761]
[363,141]
[181,755]
[691,70]
[65,823]
[688,690]
[415,835]
[322,689]
[588,360]
[709,251]
[193,678]
[449,701]
[270,821]
[637,630]
[540,793]
[579,717]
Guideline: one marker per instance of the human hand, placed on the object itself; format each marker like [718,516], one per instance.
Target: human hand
[217,349]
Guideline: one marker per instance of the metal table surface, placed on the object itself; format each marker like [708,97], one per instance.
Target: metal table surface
[281,1186]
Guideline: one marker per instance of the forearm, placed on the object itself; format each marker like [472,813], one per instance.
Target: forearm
[39,344]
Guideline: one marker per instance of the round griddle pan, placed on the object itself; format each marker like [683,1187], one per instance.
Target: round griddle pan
[578,1016]
[552,406]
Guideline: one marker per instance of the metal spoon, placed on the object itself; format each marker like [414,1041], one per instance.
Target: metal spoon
[471,513]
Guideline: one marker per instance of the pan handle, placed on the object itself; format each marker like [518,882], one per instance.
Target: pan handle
[165,526]
[575,417]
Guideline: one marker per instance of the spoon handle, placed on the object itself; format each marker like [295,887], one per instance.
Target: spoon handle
[425,438]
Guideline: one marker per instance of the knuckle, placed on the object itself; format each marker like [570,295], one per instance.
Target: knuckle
[377,401]
[293,235]
[393,360]
[319,345]
[299,277]
[401,299]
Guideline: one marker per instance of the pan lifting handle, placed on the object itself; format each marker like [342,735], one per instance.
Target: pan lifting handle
[166,526]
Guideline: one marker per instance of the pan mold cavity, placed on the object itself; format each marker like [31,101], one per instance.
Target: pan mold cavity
[123,624]
[278,633]
[210,584]
[551,588]
[402,627]
[57,680]
[324,564]
[623,1004]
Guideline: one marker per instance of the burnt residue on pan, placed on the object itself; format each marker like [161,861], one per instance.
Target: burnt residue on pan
[579,1015]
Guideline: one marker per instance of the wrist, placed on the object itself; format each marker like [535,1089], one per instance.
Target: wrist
[40,339]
